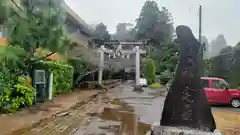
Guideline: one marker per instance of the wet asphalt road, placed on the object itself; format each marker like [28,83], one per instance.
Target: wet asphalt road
[93,119]
[148,106]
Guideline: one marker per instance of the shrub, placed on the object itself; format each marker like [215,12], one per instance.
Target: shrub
[16,94]
[149,70]
[62,75]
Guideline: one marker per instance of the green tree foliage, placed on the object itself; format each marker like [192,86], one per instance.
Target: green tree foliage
[235,74]
[149,70]
[101,32]
[226,65]
[9,53]
[154,24]
[124,32]
[167,57]
[221,65]
[32,25]
[4,10]
[207,67]
[82,67]
[37,28]
[166,60]
[218,44]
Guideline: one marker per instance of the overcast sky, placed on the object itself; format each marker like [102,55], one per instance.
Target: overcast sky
[219,16]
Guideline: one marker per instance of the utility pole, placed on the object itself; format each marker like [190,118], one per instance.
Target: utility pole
[200,24]
[200,41]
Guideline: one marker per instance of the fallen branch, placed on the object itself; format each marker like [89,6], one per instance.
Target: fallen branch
[19,8]
[44,57]
[16,5]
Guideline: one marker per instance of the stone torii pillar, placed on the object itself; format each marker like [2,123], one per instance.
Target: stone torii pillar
[137,65]
[101,64]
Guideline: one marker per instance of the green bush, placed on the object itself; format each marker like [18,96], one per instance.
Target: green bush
[149,70]
[15,95]
[62,75]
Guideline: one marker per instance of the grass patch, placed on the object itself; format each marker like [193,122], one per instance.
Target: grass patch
[155,85]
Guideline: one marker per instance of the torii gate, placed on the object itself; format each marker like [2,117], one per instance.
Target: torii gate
[136,50]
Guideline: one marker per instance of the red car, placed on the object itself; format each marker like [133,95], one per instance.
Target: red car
[219,92]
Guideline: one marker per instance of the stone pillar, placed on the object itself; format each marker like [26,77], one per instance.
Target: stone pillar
[101,64]
[50,86]
[137,65]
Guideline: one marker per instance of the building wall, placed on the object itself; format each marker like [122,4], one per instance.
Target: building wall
[79,31]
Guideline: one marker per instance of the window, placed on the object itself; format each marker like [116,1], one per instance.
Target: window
[218,84]
[205,83]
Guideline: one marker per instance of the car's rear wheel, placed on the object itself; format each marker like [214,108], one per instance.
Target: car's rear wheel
[235,103]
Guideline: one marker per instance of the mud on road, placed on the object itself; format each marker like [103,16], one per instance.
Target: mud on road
[115,113]
[87,119]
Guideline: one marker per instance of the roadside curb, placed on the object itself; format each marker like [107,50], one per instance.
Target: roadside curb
[22,129]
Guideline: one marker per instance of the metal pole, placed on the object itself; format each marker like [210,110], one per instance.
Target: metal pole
[101,64]
[137,65]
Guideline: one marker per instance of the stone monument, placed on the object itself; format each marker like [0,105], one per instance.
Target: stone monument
[186,106]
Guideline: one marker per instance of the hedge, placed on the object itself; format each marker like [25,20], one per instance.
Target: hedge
[62,75]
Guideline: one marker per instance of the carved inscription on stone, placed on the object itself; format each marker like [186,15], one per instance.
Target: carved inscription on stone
[186,98]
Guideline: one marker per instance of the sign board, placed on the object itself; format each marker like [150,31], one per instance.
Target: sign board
[40,77]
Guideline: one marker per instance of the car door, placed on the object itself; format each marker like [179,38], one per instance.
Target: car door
[207,89]
[220,94]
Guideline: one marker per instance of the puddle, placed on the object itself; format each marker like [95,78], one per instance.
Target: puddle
[129,122]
